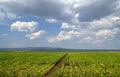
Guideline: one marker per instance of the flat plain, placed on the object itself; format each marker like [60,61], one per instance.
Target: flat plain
[75,64]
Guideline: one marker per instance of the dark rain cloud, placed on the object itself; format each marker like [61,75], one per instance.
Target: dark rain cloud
[40,8]
[97,10]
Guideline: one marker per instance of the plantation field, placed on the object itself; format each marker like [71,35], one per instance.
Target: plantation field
[91,64]
[27,64]
[76,64]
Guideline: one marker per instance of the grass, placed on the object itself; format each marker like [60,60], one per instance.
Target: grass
[77,64]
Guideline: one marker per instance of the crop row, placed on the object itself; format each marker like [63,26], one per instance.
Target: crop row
[90,64]
[27,64]
[76,64]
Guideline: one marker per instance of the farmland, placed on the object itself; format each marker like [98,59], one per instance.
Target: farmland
[76,64]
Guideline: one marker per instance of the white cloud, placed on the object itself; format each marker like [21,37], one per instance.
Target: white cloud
[106,22]
[5,35]
[2,15]
[69,26]
[4,0]
[11,15]
[87,39]
[90,40]
[51,20]
[24,26]
[116,30]
[35,35]
[107,34]
[93,32]
[6,15]
[76,18]
[99,36]
[52,39]
[63,35]
[86,36]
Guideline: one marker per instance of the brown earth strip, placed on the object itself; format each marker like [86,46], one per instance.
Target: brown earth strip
[56,66]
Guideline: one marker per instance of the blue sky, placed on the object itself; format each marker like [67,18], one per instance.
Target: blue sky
[78,24]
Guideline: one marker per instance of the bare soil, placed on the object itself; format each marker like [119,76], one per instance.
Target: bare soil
[57,66]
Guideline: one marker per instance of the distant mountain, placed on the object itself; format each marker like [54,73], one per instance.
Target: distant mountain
[35,49]
[51,49]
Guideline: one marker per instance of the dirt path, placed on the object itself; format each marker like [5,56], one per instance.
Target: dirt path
[56,66]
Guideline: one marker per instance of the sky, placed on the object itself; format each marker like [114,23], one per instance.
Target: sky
[76,24]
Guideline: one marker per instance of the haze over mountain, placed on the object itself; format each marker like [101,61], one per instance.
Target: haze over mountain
[51,49]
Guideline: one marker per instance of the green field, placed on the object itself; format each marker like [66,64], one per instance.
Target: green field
[76,64]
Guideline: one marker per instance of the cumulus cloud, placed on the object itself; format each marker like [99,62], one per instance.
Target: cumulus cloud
[91,40]
[35,35]
[6,15]
[107,22]
[5,35]
[96,32]
[80,36]
[100,36]
[51,20]
[63,35]
[106,34]
[11,15]
[24,26]
[69,26]
[2,15]
[86,36]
